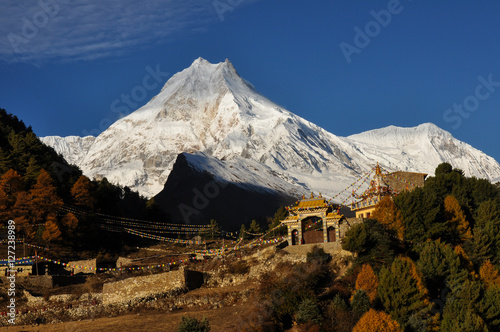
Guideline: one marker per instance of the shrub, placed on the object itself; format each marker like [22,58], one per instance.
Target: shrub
[191,324]
[308,311]
[360,302]
[318,254]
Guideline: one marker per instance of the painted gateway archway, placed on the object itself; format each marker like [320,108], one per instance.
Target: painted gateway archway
[315,212]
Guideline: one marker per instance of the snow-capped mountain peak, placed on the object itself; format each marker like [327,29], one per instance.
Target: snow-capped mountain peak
[210,108]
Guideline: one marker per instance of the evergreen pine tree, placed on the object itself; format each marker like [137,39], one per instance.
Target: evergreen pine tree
[491,308]
[360,302]
[457,317]
[479,247]
[243,232]
[254,227]
[436,262]
[32,171]
[402,291]
[214,228]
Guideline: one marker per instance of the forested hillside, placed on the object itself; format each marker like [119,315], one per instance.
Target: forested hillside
[35,182]
[430,258]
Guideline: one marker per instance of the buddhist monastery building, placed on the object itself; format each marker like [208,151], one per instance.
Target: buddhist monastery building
[313,220]
[382,185]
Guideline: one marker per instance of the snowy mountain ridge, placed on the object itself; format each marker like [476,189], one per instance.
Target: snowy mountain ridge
[210,108]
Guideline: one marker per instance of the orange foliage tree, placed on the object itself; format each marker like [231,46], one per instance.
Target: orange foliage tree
[81,192]
[455,215]
[44,198]
[367,281]
[387,214]
[11,185]
[51,232]
[489,274]
[22,212]
[376,321]
[70,222]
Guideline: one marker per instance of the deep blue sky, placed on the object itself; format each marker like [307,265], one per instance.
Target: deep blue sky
[63,77]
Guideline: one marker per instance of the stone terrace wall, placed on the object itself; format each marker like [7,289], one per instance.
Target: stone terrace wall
[137,288]
[331,248]
[37,282]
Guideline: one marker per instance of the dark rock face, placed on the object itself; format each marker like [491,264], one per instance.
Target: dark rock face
[192,196]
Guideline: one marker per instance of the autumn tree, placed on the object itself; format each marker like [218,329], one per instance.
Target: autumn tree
[82,192]
[489,275]
[51,232]
[376,321]
[10,185]
[69,222]
[44,198]
[23,213]
[456,217]
[11,182]
[402,291]
[367,280]
[387,214]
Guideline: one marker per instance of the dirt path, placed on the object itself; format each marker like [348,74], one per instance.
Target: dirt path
[223,319]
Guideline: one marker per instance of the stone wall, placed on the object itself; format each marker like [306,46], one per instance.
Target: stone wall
[401,181]
[33,282]
[134,289]
[43,282]
[331,248]
[344,227]
[85,266]
[123,262]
